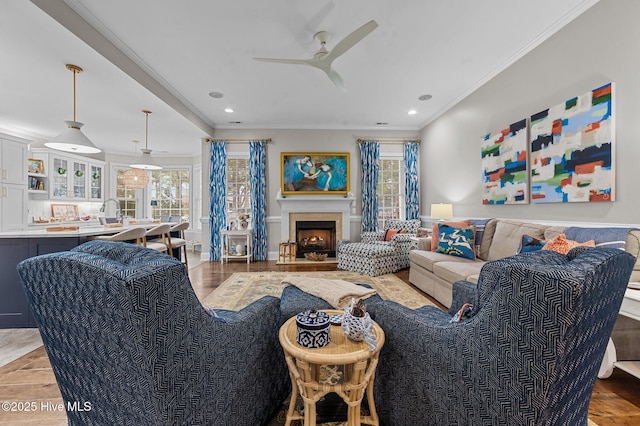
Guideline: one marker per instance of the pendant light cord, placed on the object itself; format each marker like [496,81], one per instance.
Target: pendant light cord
[74,95]
[146,130]
[75,70]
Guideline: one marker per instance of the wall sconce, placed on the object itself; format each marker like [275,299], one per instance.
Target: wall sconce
[441,211]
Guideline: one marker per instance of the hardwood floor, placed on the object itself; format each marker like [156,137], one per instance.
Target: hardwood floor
[615,401]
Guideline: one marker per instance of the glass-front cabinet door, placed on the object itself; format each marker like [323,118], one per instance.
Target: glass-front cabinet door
[96,178]
[59,178]
[79,180]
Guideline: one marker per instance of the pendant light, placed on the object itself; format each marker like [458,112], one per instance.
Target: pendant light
[135,178]
[145,161]
[72,139]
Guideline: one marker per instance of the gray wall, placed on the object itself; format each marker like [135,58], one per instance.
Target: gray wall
[597,47]
[295,141]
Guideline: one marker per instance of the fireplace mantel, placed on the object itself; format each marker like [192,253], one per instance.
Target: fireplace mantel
[316,205]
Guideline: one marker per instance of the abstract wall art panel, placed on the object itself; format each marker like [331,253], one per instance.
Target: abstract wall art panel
[572,156]
[504,166]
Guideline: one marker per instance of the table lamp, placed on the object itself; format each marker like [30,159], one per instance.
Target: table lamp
[441,211]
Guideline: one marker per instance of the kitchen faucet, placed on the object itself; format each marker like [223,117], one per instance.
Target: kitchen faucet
[118,209]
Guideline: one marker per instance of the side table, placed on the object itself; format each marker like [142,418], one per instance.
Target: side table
[343,366]
[630,308]
[287,250]
[228,238]
[420,243]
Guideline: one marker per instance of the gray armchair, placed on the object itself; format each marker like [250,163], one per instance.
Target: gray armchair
[125,333]
[527,353]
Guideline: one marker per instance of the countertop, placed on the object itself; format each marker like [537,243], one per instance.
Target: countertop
[85,230]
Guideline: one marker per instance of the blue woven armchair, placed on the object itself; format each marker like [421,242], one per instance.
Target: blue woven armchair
[528,354]
[125,333]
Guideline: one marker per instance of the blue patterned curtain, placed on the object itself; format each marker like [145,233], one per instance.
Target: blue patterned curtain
[218,196]
[411,181]
[257,177]
[369,156]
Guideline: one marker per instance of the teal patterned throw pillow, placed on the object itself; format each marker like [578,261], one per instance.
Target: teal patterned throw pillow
[456,241]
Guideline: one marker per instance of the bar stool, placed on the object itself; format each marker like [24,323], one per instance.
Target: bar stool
[178,241]
[162,242]
[138,235]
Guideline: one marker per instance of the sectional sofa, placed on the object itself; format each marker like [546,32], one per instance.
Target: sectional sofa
[434,273]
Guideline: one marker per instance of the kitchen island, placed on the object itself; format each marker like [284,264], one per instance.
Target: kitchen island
[15,246]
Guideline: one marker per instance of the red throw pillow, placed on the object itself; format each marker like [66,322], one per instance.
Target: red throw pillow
[560,244]
[435,235]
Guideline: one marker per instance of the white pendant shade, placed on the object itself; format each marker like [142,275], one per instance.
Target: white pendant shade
[73,140]
[145,161]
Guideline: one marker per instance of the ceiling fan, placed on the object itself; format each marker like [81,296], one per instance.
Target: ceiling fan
[323,58]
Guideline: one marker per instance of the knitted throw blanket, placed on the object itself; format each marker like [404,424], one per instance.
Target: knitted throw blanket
[337,292]
[604,237]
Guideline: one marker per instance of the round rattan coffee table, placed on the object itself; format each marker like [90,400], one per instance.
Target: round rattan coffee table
[343,366]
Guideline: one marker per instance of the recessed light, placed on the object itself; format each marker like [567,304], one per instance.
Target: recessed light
[228,110]
[425,97]
[412,112]
[216,95]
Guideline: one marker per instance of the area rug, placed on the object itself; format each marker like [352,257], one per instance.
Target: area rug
[242,288]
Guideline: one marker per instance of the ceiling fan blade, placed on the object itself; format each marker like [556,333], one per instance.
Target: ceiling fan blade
[349,41]
[285,61]
[337,80]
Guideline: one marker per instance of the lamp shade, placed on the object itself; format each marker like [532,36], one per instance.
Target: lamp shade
[135,178]
[145,161]
[441,211]
[73,140]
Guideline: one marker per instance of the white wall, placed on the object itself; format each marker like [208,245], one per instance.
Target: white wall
[597,47]
[294,141]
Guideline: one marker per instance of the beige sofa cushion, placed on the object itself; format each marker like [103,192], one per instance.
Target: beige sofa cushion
[487,237]
[473,278]
[632,245]
[454,271]
[426,259]
[553,231]
[508,234]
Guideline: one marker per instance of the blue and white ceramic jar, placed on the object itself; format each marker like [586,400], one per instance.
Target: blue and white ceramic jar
[313,329]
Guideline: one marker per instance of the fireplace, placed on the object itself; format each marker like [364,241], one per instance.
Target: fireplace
[318,236]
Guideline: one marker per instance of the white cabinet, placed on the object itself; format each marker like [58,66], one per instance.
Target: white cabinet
[13,184]
[96,182]
[13,207]
[13,161]
[74,178]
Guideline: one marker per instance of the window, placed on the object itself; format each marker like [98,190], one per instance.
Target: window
[238,188]
[169,193]
[390,190]
[126,196]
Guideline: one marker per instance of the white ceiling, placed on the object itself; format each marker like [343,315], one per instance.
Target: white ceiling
[167,55]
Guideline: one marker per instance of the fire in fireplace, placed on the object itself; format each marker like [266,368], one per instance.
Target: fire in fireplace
[317,236]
